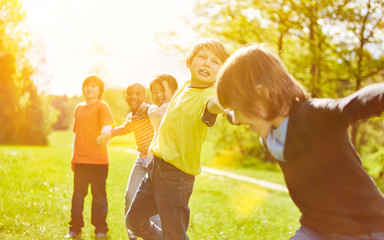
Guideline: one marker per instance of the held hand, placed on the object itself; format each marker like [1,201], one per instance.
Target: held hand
[230,116]
[142,111]
[107,131]
[102,140]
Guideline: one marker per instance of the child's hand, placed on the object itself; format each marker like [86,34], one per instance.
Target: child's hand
[102,140]
[142,111]
[230,116]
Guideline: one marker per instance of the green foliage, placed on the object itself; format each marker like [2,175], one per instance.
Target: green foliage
[332,47]
[24,116]
[236,146]
[116,101]
[64,106]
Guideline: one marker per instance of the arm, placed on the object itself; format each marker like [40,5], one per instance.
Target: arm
[124,128]
[156,113]
[211,110]
[105,136]
[142,111]
[213,106]
[365,103]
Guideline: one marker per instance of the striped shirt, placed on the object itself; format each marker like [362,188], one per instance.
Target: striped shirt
[141,128]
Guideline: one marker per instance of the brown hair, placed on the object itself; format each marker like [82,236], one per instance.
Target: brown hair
[97,81]
[213,45]
[172,83]
[256,82]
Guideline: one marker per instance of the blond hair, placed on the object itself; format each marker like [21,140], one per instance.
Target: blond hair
[256,82]
[213,45]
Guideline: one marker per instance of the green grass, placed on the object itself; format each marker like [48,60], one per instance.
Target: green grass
[36,190]
[266,171]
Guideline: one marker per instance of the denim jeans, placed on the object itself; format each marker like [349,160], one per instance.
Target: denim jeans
[164,190]
[96,176]
[305,233]
[138,172]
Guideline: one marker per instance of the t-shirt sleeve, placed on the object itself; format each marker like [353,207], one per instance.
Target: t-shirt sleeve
[74,119]
[106,117]
[207,117]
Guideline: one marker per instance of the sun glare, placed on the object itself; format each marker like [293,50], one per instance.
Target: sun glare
[114,39]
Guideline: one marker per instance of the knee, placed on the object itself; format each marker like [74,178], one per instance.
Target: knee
[131,223]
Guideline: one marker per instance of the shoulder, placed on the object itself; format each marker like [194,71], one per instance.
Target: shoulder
[316,105]
[103,103]
[80,105]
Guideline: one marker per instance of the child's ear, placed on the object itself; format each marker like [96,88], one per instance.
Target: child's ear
[188,63]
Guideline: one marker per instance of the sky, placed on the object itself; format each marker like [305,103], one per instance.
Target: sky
[116,37]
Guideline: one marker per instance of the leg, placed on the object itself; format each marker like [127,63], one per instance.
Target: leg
[137,174]
[304,233]
[173,189]
[98,175]
[142,208]
[80,190]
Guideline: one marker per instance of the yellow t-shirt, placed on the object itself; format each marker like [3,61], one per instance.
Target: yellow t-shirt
[181,132]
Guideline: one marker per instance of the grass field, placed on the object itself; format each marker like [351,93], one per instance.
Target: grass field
[36,190]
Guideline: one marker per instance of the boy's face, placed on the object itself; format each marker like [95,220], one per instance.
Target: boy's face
[256,124]
[135,97]
[157,93]
[91,91]
[204,67]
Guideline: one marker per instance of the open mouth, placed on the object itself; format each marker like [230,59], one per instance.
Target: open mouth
[204,72]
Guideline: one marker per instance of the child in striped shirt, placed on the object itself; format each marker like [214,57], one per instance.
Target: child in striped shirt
[142,128]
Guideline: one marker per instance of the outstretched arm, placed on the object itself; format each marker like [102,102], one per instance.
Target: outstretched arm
[211,110]
[106,134]
[213,106]
[365,103]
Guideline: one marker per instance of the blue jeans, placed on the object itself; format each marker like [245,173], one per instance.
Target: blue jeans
[305,233]
[138,172]
[94,175]
[165,190]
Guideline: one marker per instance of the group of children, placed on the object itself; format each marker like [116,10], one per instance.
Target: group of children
[308,137]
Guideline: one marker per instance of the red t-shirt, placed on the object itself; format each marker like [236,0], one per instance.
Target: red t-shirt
[89,119]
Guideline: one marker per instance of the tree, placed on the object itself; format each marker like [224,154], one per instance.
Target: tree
[333,47]
[24,116]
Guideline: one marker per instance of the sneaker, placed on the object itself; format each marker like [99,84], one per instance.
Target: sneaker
[72,235]
[101,236]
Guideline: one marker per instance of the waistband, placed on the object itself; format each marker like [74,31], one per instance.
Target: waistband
[162,163]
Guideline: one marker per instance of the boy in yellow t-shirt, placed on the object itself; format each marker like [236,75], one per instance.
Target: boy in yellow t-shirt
[167,187]
[90,160]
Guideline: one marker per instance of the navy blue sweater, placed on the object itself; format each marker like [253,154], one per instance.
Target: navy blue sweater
[324,173]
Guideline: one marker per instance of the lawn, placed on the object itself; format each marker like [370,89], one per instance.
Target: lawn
[36,191]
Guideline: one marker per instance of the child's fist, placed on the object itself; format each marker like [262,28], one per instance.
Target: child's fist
[102,140]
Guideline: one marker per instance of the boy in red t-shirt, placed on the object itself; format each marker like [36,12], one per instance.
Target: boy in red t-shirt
[90,160]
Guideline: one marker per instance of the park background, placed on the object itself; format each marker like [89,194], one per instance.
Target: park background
[47,48]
